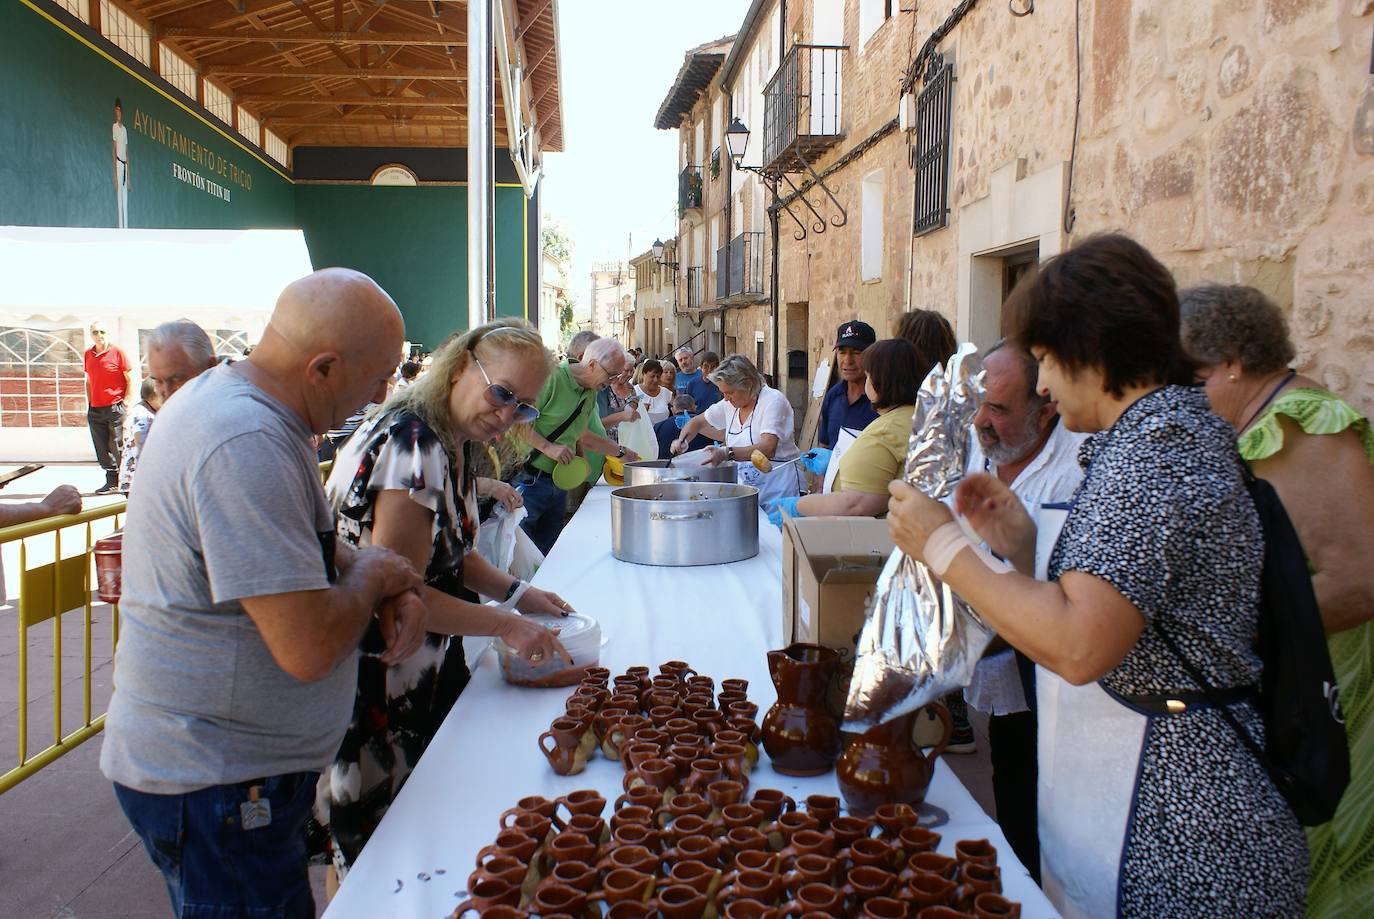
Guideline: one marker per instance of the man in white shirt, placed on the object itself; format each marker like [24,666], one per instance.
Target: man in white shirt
[119,156]
[1020,441]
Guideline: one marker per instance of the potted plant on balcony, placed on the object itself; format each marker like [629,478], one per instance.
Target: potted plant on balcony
[715,163]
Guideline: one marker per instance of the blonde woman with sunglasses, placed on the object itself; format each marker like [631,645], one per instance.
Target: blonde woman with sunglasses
[404,480]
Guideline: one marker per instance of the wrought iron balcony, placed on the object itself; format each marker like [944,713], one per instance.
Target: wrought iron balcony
[688,190]
[740,273]
[801,107]
[696,288]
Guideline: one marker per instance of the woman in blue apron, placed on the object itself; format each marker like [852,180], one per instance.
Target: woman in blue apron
[1150,805]
[751,416]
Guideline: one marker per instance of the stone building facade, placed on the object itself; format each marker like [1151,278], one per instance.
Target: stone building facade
[612,299]
[1219,134]
[655,301]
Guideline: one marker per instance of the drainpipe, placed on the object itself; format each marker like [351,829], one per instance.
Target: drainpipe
[773,217]
[481,186]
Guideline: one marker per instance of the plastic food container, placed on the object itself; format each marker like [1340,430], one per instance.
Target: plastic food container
[579,633]
[109,567]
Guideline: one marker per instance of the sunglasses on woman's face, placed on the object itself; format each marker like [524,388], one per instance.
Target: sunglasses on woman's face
[501,397]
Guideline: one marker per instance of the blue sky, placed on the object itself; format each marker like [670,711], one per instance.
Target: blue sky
[618,176]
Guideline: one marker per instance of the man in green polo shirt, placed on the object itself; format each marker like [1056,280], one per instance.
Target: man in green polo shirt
[567,408]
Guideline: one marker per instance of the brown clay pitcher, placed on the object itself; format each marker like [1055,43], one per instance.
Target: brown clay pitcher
[883,765]
[799,734]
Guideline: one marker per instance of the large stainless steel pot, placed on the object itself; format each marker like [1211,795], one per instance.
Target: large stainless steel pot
[685,523]
[649,472]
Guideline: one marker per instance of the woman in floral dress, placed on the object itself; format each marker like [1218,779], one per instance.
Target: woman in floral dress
[405,480]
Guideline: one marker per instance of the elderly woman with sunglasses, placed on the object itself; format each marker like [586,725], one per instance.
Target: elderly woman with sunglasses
[405,481]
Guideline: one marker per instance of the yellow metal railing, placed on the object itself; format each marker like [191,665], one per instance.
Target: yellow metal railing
[47,591]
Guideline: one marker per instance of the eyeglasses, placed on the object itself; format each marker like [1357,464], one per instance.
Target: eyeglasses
[501,397]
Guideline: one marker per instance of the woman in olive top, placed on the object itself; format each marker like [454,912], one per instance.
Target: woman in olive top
[876,456]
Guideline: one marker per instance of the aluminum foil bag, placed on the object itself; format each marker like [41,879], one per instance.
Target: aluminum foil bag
[920,639]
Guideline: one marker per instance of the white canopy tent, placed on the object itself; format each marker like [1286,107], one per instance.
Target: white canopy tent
[56,280]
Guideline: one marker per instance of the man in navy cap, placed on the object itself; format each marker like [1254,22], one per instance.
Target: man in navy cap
[845,404]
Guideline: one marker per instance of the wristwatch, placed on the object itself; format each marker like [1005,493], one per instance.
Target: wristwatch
[514,586]
[620,454]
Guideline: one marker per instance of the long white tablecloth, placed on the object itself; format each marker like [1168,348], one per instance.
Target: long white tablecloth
[721,619]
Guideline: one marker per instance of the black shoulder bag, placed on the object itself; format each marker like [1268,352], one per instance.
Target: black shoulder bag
[1306,753]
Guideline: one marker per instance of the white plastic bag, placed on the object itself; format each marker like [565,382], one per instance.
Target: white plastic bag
[497,535]
[527,558]
[638,435]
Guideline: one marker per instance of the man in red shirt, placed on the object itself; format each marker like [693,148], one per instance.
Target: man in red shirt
[109,380]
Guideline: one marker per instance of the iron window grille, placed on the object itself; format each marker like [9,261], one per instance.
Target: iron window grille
[933,110]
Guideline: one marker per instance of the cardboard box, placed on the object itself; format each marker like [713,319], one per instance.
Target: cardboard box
[829,568]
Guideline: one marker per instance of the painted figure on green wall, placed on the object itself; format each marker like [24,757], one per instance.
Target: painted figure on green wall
[119,153]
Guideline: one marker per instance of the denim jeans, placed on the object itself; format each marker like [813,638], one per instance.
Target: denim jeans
[546,504]
[214,868]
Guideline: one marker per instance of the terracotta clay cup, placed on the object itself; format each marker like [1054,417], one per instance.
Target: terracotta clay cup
[595,695]
[748,728]
[771,802]
[626,885]
[509,842]
[699,876]
[640,673]
[638,752]
[680,726]
[625,696]
[584,715]
[582,801]
[684,826]
[780,831]
[942,912]
[490,892]
[559,898]
[569,847]
[812,869]
[657,773]
[695,849]
[701,683]
[750,860]
[704,772]
[820,898]
[935,863]
[727,697]
[925,889]
[503,868]
[620,731]
[874,853]
[724,792]
[631,910]
[678,670]
[693,703]
[662,711]
[809,842]
[915,839]
[737,815]
[642,796]
[656,736]
[596,675]
[729,735]
[742,709]
[849,829]
[975,850]
[755,885]
[610,712]
[884,908]
[589,825]
[732,759]
[743,839]
[751,909]
[682,756]
[574,874]
[824,808]
[502,912]
[561,745]
[895,817]
[536,804]
[682,805]
[633,813]
[735,684]
[678,901]
[636,858]
[709,720]
[666,682]
[992,906]
[635,834]
[533,825]
[626,683]
[976,878]
[866,882]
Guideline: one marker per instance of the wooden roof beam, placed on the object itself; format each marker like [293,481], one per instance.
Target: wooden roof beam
[387,101]
[334,70]
[313,36]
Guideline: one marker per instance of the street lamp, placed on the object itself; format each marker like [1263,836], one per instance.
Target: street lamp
[658,255]
[736,140]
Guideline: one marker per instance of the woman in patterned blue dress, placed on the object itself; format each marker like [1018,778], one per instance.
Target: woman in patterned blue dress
[1149,803]
[404,480]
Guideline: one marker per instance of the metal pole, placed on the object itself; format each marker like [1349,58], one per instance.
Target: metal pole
[773,286]
[481,188]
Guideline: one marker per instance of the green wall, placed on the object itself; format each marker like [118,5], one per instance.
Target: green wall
[413,242]
[56,113]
